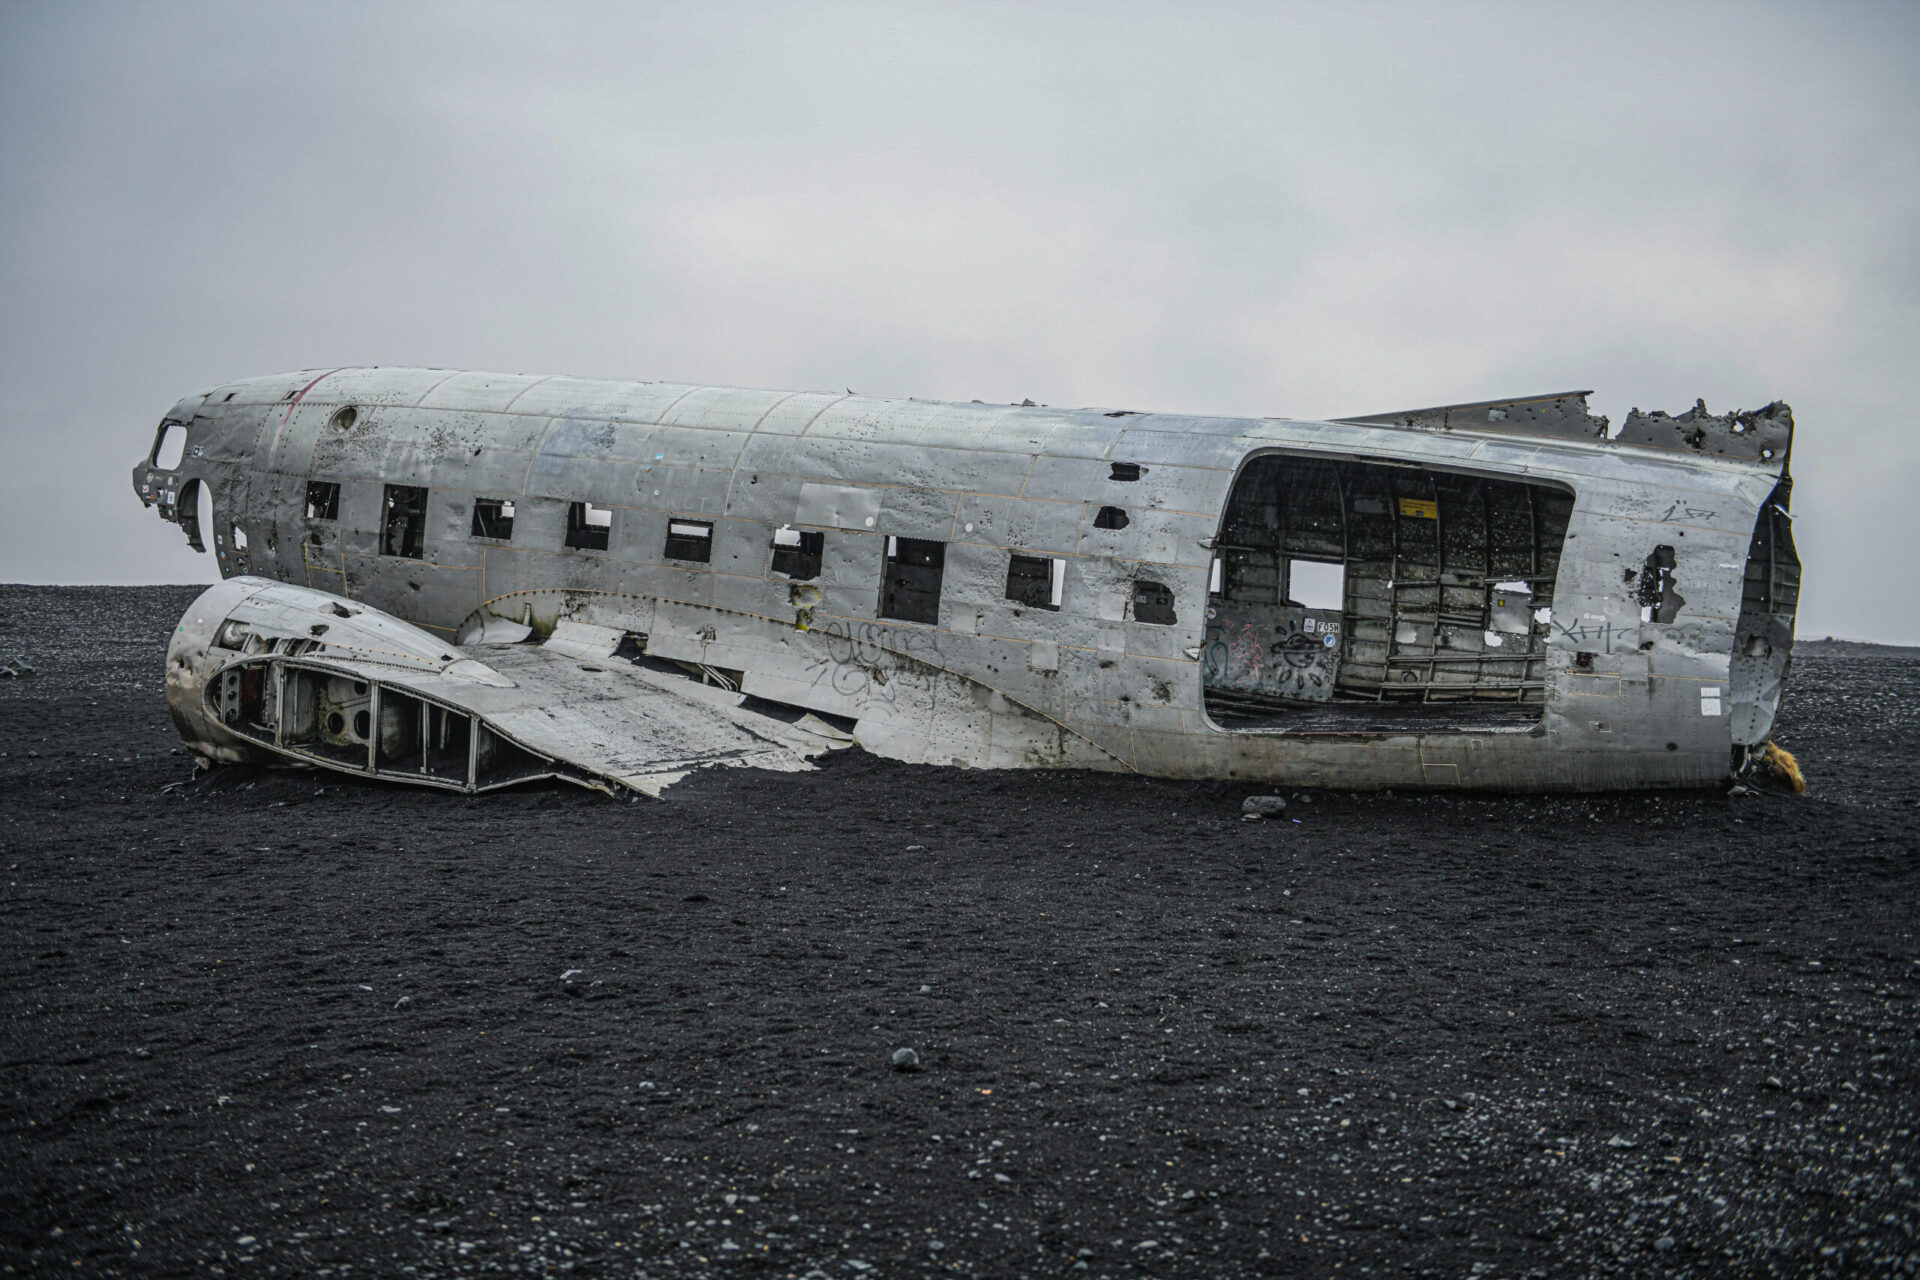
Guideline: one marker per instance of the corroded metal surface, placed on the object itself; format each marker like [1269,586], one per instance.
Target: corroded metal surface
[659,512]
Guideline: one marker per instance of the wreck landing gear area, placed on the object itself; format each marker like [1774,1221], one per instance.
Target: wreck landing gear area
[266,1022]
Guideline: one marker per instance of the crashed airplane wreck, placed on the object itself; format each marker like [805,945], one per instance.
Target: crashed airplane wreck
[468,580]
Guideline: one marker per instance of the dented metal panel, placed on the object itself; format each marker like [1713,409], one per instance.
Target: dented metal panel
[1528,603]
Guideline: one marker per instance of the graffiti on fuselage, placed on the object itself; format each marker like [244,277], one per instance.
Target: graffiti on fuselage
[1598,635]
[1284,651]
[857,661]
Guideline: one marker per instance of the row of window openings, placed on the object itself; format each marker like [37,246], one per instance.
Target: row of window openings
[910,590]
[588,526]
[403,522]
[911,585]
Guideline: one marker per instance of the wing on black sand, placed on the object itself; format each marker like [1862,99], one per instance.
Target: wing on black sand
[263,672]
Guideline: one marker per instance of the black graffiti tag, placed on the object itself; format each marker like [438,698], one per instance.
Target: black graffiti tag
[855,661]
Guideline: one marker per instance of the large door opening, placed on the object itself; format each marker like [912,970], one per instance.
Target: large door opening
[1370,597]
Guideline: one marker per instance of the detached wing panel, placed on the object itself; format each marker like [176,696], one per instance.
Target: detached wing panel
[261,671]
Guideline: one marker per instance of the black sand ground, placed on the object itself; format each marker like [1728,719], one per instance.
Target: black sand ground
[274,1024]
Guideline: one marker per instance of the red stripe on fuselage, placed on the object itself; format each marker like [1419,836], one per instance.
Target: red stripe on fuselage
[274,452]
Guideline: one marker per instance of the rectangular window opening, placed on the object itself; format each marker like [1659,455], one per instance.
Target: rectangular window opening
[1036,581]
[323,500]
[588,526]
[910,584]
[796,554]
[169,446]
[403,525]
[493,518]
[1315,584]
[690,540]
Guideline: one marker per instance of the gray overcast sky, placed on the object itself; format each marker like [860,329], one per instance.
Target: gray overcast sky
[1297,210]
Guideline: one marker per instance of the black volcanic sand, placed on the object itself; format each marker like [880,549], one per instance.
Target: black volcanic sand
[272,1023]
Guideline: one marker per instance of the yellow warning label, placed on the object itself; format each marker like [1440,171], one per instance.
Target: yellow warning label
[1419,509]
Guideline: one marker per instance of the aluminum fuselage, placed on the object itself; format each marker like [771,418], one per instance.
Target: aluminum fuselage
[990,682]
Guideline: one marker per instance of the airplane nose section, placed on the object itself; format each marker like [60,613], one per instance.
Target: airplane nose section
[166,477]
[154,474]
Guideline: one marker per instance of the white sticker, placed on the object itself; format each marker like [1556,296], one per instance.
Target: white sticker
[1307,626]
[1710,700]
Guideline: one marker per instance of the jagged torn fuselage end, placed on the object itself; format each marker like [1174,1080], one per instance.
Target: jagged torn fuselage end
[267,672]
